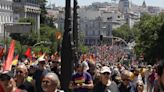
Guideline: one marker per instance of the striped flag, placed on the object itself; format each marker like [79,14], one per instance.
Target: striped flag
[8,62]
[15,61]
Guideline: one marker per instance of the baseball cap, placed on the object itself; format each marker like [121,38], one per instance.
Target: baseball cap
[85,65]
[105,69]
[41,59]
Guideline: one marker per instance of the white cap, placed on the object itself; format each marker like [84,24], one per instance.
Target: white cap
[85,65]
[41,59]
[105,69]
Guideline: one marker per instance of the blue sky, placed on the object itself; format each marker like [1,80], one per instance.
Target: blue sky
[88,2]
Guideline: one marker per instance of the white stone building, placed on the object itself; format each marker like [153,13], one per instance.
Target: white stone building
[6,14]
[27,9]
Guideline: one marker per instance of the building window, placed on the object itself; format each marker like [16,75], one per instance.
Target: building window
[2,18]
[11,7]
[17,0]
[2,6]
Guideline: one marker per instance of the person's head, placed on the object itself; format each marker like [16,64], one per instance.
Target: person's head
[42,63]
[55,63]
[140,86]
[125,76]
[50,82]
[32,69]
[6,80]
[79,68]
[21,72]
[105,73]
[160,72]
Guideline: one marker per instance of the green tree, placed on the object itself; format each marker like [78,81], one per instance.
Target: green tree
[47,34]
[124,32]
[148,41]
[43,11]
[25,39]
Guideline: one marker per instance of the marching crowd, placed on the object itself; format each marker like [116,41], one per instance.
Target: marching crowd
[97,71]
[87,77]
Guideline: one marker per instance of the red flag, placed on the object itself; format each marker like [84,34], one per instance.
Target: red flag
[1,52]
[28,53]
[8,62]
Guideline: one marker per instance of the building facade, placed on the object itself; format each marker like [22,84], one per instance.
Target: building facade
[27,9]
[6,14]
[124,6]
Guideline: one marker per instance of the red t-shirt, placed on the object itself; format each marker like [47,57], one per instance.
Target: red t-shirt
[1,89]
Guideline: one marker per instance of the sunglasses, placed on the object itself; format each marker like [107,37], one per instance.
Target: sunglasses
[106,73]
[140,85]
[126,79]
[19,72]
[42,62]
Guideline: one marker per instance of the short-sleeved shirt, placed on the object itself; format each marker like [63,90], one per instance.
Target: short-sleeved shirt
[1,89]
[27,86]
[79,78]
[130,88]
[99,87]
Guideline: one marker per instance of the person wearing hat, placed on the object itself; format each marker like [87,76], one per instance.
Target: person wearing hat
[8,83]
[55,67]
[39,73]
[105,84]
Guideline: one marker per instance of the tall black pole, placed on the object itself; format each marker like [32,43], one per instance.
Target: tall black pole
[66,51]
[75,32]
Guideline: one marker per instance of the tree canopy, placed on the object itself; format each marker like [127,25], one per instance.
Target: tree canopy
[149,40]
[124,32]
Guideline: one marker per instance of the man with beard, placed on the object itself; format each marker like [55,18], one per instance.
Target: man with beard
[160,72]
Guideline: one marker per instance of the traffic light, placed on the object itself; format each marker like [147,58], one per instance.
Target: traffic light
[101,37]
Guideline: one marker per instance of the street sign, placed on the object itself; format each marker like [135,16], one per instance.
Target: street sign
[18,27]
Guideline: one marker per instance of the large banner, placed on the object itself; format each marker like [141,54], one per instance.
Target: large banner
[8,62]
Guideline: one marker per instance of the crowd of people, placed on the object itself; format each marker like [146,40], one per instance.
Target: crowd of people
[91,74]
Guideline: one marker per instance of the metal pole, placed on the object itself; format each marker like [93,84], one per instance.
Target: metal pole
[66,51]
[75,32]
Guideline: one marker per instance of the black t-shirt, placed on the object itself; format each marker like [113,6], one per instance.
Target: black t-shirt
[130,88]
[38,75]
[27,86]
[99,87]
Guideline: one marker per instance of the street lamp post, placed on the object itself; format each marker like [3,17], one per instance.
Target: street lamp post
[75,32]
[66,51]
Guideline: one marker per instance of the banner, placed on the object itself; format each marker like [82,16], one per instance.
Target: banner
[8,62]
[28,53]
